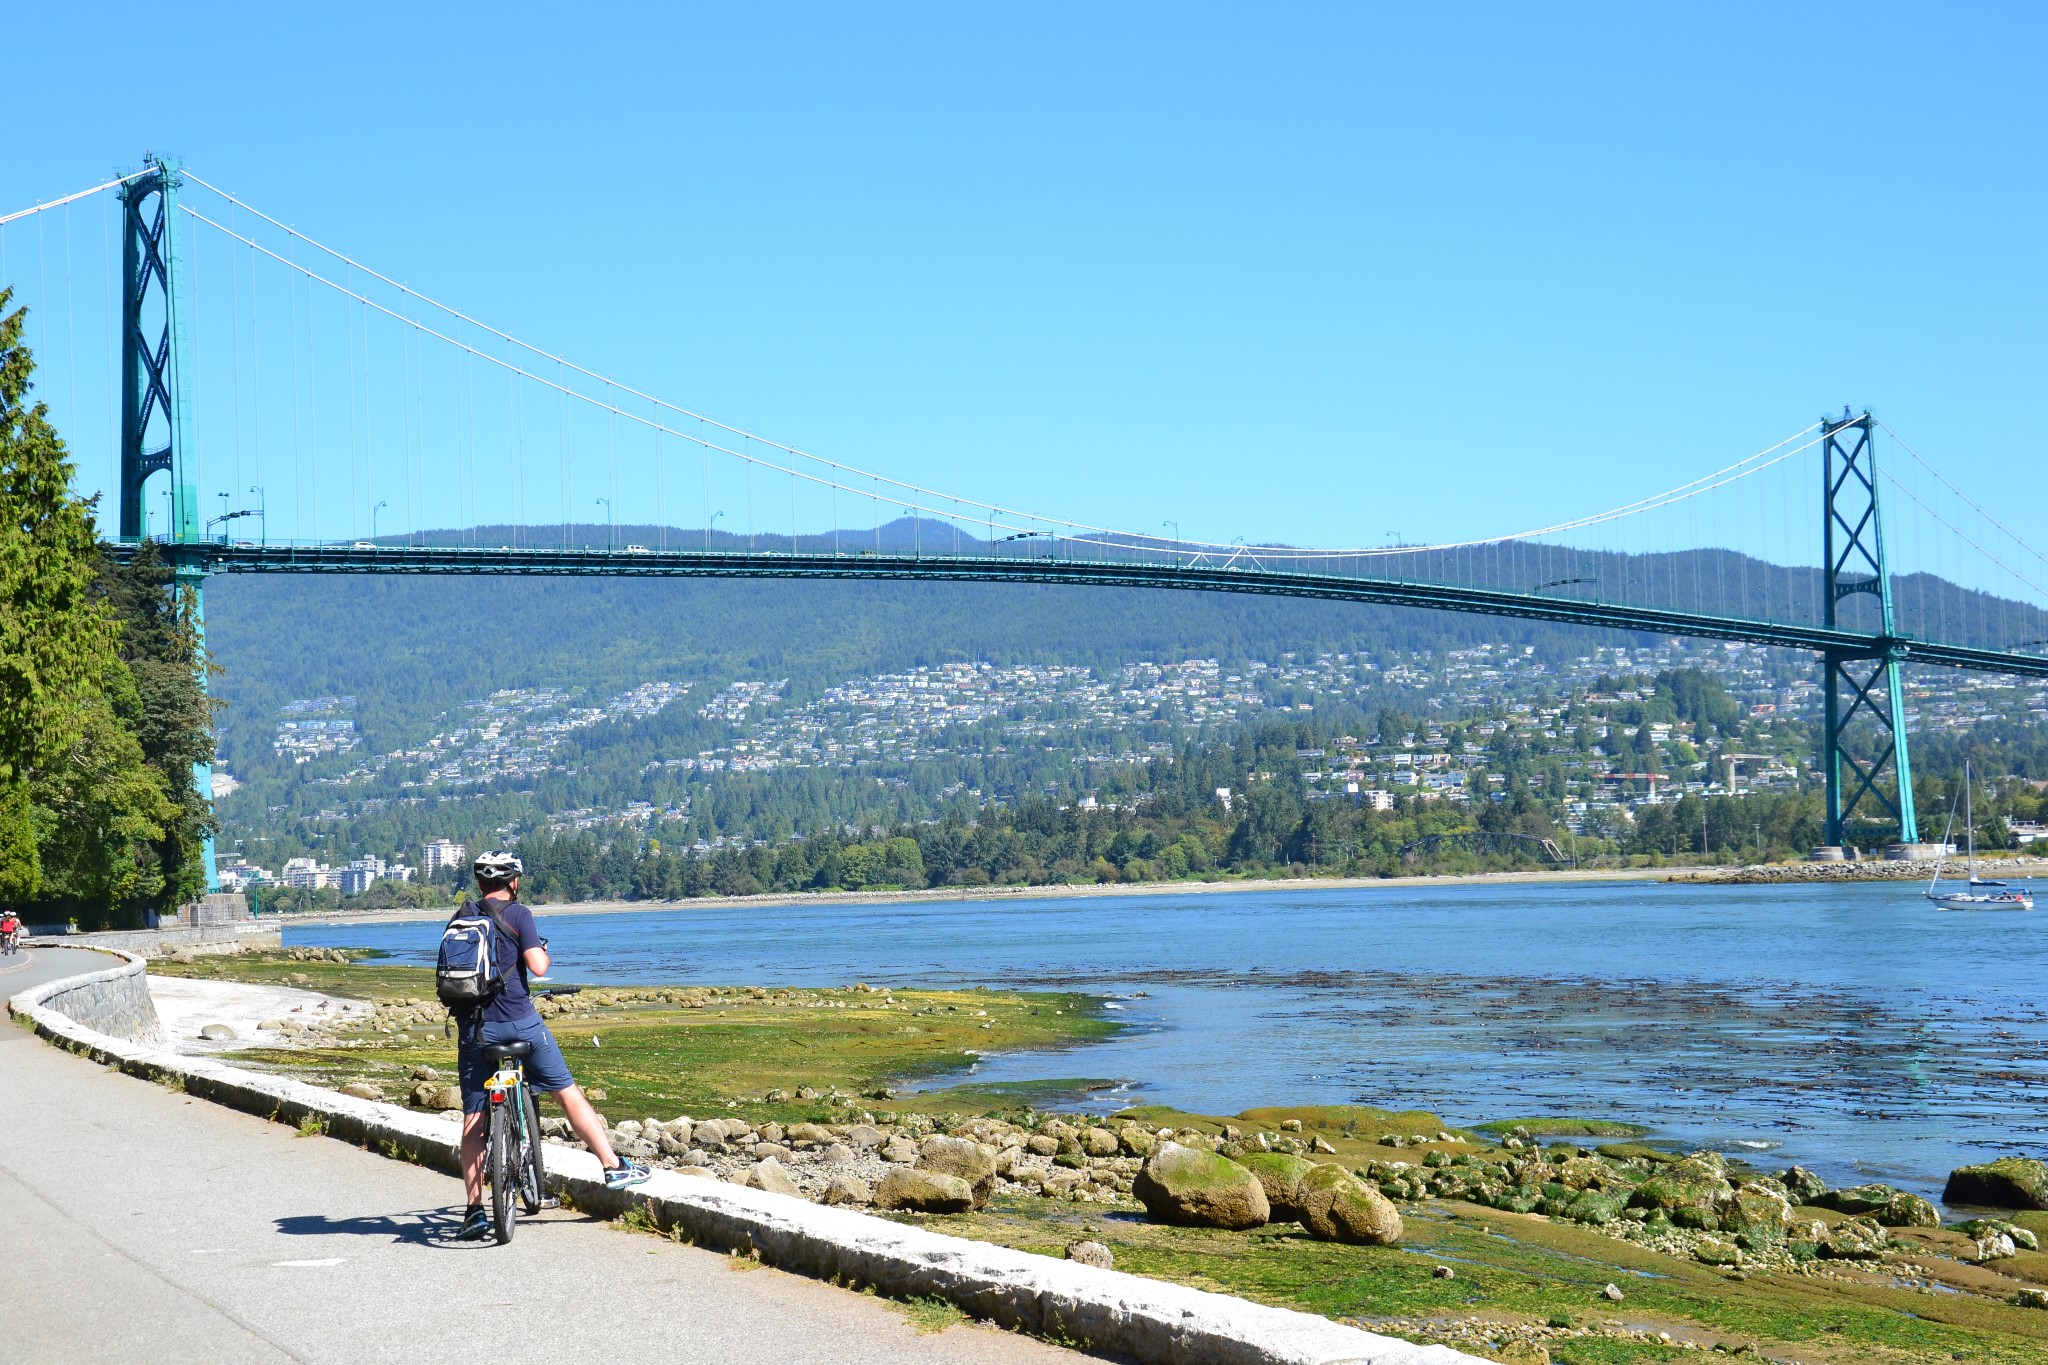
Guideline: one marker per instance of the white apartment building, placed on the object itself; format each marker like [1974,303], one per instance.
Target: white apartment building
[307,874]
[442,853]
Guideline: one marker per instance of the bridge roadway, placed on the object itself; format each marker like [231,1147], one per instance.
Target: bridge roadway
[1187,574]
[141,1225]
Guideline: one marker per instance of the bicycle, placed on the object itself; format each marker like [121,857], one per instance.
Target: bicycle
[513,1164]
[10,942]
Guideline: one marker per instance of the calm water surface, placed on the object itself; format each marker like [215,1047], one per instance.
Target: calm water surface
[1852,1028]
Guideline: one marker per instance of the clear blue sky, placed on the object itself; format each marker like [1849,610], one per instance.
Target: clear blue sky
[1309,273]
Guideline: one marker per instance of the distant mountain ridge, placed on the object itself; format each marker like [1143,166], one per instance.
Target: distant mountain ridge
[409,648]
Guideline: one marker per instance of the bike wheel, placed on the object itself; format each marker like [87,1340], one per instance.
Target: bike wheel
[502,1174]
[533,1178]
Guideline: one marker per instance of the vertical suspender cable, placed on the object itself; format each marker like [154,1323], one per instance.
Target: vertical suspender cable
[313,408]
[113,332]
[235,344]
[298,502]
[71,316]
[355,498]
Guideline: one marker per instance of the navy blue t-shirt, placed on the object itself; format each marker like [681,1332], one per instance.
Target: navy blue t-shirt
[512,1003]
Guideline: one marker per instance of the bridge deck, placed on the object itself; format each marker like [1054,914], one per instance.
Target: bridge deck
[1186,576]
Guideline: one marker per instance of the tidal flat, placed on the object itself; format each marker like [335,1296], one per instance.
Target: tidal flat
[816,1078]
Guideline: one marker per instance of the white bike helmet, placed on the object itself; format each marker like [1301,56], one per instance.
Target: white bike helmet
[497,866]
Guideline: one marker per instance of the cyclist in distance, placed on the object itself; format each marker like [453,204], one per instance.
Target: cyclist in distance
[10,930]
[510,1017]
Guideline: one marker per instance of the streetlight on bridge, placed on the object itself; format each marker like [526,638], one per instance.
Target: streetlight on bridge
[373,519]
[607,524]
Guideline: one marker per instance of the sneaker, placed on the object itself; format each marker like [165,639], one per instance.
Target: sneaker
[476,1225]
[627,1172]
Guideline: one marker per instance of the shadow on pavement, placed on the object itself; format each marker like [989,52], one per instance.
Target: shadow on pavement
[427,1227]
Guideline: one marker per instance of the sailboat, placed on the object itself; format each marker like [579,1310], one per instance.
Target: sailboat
[1978,896]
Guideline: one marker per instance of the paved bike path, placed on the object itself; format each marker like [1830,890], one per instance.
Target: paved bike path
[140,1224]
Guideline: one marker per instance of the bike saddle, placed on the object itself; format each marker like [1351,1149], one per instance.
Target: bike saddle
[505,1052]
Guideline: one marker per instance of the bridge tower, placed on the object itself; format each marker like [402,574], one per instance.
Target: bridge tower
[156,395]
[1852,539]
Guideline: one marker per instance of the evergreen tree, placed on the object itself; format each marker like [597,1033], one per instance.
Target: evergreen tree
[87,825]
[54,636]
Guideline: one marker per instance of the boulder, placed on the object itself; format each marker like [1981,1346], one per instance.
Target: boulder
[968,1160]
[899,1151]
[1758,1213]
[1280,1176]
[1713,1251]
[1584,1173]
[1336,1206]
[847,1189]
[2013,1182]
[923,1191]
[770,1177]
[362,1090]
[1994,1246]
[1042,1144]
[836,1152]
[1892,1207]
[1859,1239]
[1134,1141]
[807,1135]
[1802,1185]
[1980,1227]
[1098,1142]
[217,1033]
[1690,1192]
[863,1137]
[1182,1186]
[1594,1207]
[1091,1253]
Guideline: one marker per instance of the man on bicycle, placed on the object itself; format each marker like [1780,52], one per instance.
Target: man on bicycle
[10,929]
[510,1017]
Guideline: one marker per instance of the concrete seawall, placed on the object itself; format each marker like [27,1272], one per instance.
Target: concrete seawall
[114,1002]
[198,940]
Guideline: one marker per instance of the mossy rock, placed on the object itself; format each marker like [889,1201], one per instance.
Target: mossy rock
[1802,1185]
[1637,1151]
[1857,1200]
[1594,1207]
[923,1191]
[2022,1237]
[1280,1175]
[1343,1118]
[1519,1199]
[1691,1192]
[1759,1212]
[2013,1182]
[1336,1206]
[1711,1251]
[1187,1188]
[1564,1127]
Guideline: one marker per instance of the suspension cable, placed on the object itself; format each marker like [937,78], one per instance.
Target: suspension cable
[5,219]
[1125,539]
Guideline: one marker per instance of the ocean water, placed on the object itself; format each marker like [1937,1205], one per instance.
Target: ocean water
[1851,1028]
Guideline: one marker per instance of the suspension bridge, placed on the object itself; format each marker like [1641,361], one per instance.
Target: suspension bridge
[244,359]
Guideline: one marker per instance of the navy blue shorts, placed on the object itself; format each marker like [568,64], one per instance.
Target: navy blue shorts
[545,1069]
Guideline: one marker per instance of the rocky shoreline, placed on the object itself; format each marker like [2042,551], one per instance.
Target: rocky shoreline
[1868,870]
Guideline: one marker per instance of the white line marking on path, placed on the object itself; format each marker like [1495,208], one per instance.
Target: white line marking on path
[331,1260]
